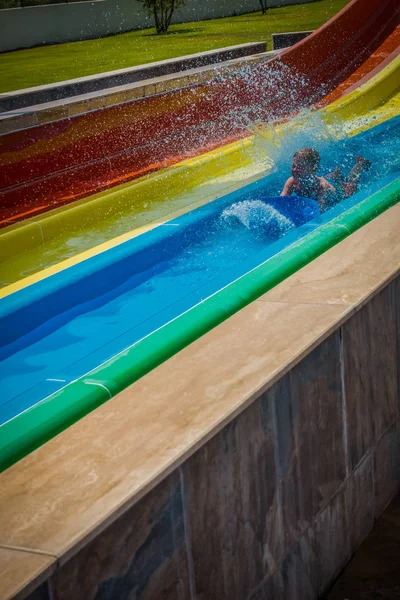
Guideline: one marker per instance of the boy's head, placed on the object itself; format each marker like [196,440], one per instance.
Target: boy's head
[305,163]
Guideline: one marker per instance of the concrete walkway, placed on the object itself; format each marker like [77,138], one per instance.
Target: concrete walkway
[374,572]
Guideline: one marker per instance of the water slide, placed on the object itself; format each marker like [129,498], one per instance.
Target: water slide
[73,340]
[56,163]
[87,327]
[69,234]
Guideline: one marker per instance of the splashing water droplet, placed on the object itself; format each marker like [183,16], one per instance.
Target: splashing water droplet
[257,215]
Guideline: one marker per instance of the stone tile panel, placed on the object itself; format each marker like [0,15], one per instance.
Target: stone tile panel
[373,573]
[370,373]
[300,571]
[232,504]
[330,539]
[386,468]
[308,405]
[141,556]
[360,502]
[270,589]
[41,593]
[396,287]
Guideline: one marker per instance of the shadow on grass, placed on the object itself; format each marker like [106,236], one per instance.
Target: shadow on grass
[178,32]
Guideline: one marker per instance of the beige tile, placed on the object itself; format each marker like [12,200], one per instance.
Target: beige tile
[60,494]
[21,569]
[78,108]
[135,91]
[52,114]
[10,123]
[96,102]
[149,90]
[116,98]
[169,84]
[203,77]
[350,271]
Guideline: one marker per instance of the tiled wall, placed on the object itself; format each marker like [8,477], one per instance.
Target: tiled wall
[276,503]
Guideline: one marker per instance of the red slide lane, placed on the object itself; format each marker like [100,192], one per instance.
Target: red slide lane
[56,163]
[371,67]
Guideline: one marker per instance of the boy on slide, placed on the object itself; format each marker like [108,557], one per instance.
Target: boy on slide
[305,183]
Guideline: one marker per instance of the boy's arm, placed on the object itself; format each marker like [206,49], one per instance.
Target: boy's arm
[328,191]
[287,190]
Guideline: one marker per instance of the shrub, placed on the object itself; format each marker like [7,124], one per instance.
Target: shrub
[162,10]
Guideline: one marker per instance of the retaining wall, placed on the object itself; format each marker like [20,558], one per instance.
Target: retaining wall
[284,40]
[249,466]
[53,23]
[280,499]
[122,77]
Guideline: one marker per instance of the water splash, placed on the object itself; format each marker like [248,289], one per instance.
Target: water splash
[257,215]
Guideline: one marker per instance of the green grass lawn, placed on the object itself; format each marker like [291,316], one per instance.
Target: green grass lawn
[47,64]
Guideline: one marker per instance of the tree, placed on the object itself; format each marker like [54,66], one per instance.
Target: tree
[162,10]
[264,6]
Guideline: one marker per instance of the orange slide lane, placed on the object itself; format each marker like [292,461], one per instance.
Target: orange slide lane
[59,162]
[377,61]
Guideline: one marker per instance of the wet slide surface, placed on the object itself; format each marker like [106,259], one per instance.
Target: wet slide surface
[377,61]
[168,271]
[63,327]
[56,163]
[89,226]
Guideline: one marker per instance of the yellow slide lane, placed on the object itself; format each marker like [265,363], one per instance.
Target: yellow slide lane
[376,101]
[40,246]
[372,103]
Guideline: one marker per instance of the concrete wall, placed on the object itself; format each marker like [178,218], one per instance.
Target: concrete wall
[31,26]
[275,504]
[112,81]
